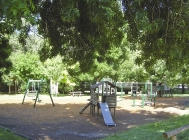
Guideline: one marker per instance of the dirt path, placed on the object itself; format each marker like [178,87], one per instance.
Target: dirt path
[63,122]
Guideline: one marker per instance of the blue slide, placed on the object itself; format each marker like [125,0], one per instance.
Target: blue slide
[106,114]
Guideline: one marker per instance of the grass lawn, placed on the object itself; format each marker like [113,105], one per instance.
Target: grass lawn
[181,95]
[154,131]
[7,135]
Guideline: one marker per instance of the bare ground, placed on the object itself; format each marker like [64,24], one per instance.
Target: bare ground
[63,122]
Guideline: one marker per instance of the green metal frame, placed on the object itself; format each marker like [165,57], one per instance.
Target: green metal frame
[134,94]
[147,94]
[38,83]
[148,89]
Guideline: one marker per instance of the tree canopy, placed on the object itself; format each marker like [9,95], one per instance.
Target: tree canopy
[12,14]
[100,37]
[160,27]
[80,30]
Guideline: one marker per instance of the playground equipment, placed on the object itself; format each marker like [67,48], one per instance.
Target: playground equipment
[134,90]
[106,114]
[164,91]
[53,87]
[107,91]
[150,97]
[121,85]
[148,94]
[33,89]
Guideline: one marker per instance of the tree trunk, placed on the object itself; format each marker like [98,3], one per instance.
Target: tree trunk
[183,89]
[15,86]
[9,89]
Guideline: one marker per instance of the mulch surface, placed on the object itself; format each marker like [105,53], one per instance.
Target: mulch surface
[63,122]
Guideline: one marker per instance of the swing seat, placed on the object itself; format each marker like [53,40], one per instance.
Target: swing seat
[31,93]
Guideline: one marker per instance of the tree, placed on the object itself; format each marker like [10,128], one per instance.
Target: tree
[11,14]
[118,64]
[160,27]
[5,51]
[56,70]
[79,29]
[24,67]
[76,30]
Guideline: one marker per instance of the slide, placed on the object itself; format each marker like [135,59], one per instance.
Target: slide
[106,114]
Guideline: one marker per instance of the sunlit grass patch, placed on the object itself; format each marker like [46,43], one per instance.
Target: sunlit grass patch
[154,131]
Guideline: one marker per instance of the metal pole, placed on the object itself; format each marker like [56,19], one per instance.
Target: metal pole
[36,99]
[51,99]
[25,92]
[24,97]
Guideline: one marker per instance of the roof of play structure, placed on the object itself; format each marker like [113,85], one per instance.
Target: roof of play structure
[103,82]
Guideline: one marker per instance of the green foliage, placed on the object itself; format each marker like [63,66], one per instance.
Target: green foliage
[80,29]
[56,70]
[12,13]
[5,51]
[129,71]
[25,66]
[117,64]
[159,72]
[161,29]
[88,35]
[33,43]
[153,131]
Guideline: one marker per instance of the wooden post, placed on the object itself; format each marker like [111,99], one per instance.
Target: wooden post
[90,108]
[106,89]
[102,89]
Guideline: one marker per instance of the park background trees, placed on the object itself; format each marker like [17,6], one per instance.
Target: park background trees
[76,41]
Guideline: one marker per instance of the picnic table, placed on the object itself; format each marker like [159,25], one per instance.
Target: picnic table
[78,93]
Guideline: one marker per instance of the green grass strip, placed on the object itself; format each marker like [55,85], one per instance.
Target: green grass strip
[154,131]
[7,135]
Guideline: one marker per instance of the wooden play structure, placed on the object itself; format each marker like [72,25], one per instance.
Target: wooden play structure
[107,91]
[33,89]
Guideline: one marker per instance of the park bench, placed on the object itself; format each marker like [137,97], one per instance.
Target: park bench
[173,133]
[73,93]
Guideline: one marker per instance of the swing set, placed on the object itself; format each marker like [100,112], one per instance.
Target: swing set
[33,89]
